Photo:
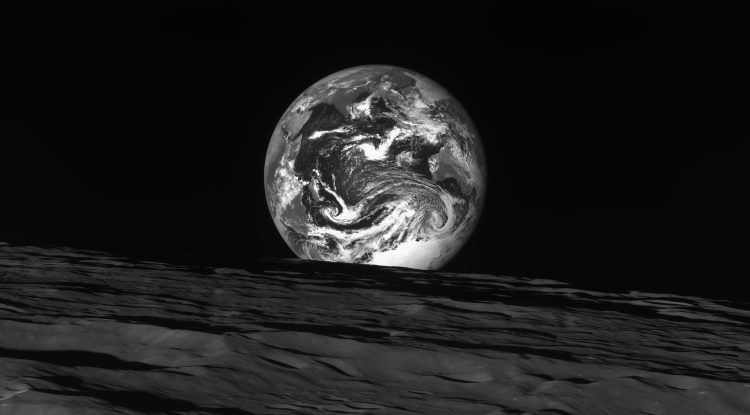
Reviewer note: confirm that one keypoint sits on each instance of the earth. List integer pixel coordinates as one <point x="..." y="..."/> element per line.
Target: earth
<point x="376" y="165"/>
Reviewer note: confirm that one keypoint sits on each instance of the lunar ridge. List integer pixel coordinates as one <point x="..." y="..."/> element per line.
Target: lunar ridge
<point x="86" y="332"/>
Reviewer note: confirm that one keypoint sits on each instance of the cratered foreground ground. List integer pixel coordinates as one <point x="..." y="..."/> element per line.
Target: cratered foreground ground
<point x="88" y="333"/>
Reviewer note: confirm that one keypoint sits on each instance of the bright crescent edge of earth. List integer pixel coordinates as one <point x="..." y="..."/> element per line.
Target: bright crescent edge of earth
<point x="376" y="164"/>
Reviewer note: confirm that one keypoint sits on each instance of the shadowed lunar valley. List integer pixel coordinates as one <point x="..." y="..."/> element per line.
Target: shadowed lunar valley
<point x="86" y="332"/>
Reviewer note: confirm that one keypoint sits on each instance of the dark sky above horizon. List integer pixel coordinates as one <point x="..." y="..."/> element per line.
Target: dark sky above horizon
<point x="612" y="132"/>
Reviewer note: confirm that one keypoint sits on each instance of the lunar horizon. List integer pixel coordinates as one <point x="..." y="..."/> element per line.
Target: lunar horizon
<point x="89" y="333"/>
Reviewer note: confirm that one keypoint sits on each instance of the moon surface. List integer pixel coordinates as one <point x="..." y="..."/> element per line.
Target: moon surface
<point x="88" y="333"/>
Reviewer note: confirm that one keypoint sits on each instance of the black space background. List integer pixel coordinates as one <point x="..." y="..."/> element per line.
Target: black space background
<point x="613" y="132"/>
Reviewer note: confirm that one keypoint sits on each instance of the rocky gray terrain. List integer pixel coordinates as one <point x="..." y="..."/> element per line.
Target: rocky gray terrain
<point x="89" y="333"/>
